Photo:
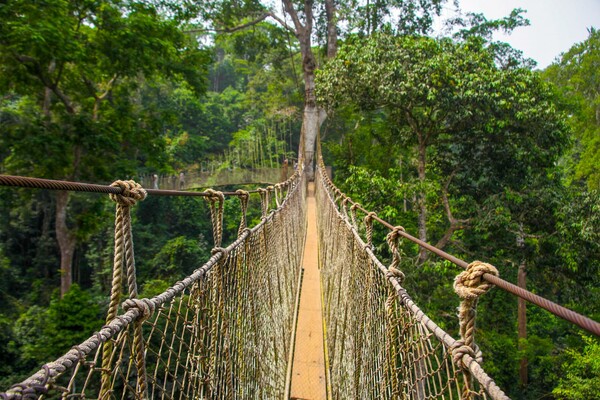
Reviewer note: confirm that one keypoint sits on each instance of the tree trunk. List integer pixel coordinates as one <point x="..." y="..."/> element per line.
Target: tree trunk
<point x="522" y="323"/>
<point x="331" y="29"/>
<point x="421" y="197"/>
<point x="310" y="122"/>
<point x="313" y="115"/>
<point x="66" y="241"/>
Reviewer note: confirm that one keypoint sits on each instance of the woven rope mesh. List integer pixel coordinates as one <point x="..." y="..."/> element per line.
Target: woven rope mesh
<point x="224" y="332"/>
<point x="221" y="333"/>
<point x="379" y="343"/>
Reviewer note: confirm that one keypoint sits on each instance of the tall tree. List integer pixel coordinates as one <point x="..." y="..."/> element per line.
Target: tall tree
<point x="78" y="61"/>
<point x="453" y="104"/>
<point x="322" y="20"/>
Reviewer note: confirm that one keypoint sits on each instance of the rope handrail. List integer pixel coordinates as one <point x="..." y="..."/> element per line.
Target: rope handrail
<point x="54" y="184"/>
<point x="574" y="317"/>
<point x="193" y="326"/>
<point x="388" y="347"/>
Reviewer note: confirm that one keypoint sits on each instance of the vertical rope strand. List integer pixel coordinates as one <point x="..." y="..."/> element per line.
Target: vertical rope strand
<point x="131" y="193"/>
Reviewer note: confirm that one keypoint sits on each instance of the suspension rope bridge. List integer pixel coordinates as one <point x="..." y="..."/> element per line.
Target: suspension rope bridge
<point x="228" y="331"/>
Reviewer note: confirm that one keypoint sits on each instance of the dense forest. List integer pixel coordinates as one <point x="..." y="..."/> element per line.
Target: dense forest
<point x="456" y="137"/>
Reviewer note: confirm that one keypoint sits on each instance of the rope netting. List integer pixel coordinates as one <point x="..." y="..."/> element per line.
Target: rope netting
<point x="223" y="332"/>
<point x="380" y="345"/>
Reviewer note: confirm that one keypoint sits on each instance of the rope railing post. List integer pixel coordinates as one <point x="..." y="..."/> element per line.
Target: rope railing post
<point x="369" y="228"/>
<point x="216" y="202"/>
<point x="469" y="285"/>
<point x="277" y="190"/>
<point x="244" y="196"/>
<point x="390" y="307"/>
<point x="264" y="201"/>
<point x="131" y="193"/>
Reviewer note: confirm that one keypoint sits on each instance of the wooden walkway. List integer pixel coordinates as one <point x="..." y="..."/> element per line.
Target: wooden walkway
<point x="308" y="369"/>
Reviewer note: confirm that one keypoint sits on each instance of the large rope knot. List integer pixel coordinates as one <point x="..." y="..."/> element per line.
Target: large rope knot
<point x="145" y="306"/>
<point x="214" y="195"/>
<point x="222" y="250"/>
<point x="470" y="284"/>
<point x="242" y="194"/>
<point x="131" y="193"/>
<point x="460" y="349"/>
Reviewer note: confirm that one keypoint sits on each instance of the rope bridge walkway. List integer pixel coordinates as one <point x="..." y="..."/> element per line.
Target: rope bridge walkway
<point x="228" y="331"/>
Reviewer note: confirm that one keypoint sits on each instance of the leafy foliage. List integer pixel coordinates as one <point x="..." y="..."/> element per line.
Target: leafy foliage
<point x="582" y="380"/>
<point x="577" y="78"/>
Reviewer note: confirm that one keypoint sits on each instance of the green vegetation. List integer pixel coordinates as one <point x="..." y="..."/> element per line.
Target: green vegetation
<point x="457" y="139"/>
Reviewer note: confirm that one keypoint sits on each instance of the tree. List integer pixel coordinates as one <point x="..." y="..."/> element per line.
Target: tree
<point x="74" y="64"/>
<point x="582" y="373"/>
<point x="578" y="79"/>
<point x="456" y="107"/>
<point x="324" y="20"/>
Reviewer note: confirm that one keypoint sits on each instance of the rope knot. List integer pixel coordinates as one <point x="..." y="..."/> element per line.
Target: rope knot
<point x="242" y="194"/>
<point x="245" y="230"/>
<point x="369" y="217"/>
<point x="214" y="194"/>
<point x="222" y="250"/>
<point x="131" y="193"/>
<point x="395" y="234"/>
<point x="145" y="306"/>
<point x="470" y="284"/>
<point x="216" y="201"/>
<point x="460" y="349"/>
<point x="393" y="272"/>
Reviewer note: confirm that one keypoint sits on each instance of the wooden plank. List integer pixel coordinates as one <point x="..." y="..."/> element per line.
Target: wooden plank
<point x="308" y="369"/>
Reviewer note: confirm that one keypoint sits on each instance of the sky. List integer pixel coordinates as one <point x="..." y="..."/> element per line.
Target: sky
<point x="556" y="25"/>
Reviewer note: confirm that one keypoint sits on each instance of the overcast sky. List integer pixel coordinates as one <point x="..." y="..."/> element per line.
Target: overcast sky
<point x="555" y="24"/>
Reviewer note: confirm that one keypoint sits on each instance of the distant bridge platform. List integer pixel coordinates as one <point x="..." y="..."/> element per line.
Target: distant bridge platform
<point x="216" y="178"/>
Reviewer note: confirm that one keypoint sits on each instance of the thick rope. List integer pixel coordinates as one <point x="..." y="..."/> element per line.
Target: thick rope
<point x="278" y="194"/>
<point x="264" y="201"/>
<point x="244" y="196"/>
<point x="469" y="285"/>
<point x="216" y="200"/>
<point x="369" y="228"/>
<point x="131" y="193"/>
<point x="394" y="268"/>
<point x="353" y="209"/>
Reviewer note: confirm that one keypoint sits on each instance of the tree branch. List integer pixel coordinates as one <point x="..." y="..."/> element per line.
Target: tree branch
<point x="243" y="26"/>
<point x="455" y="224"/>
<point x="64" y="98"/>
<point x="289" y="8"/>
<point x="308" y="12"/>
<point x="282" y="22"/>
